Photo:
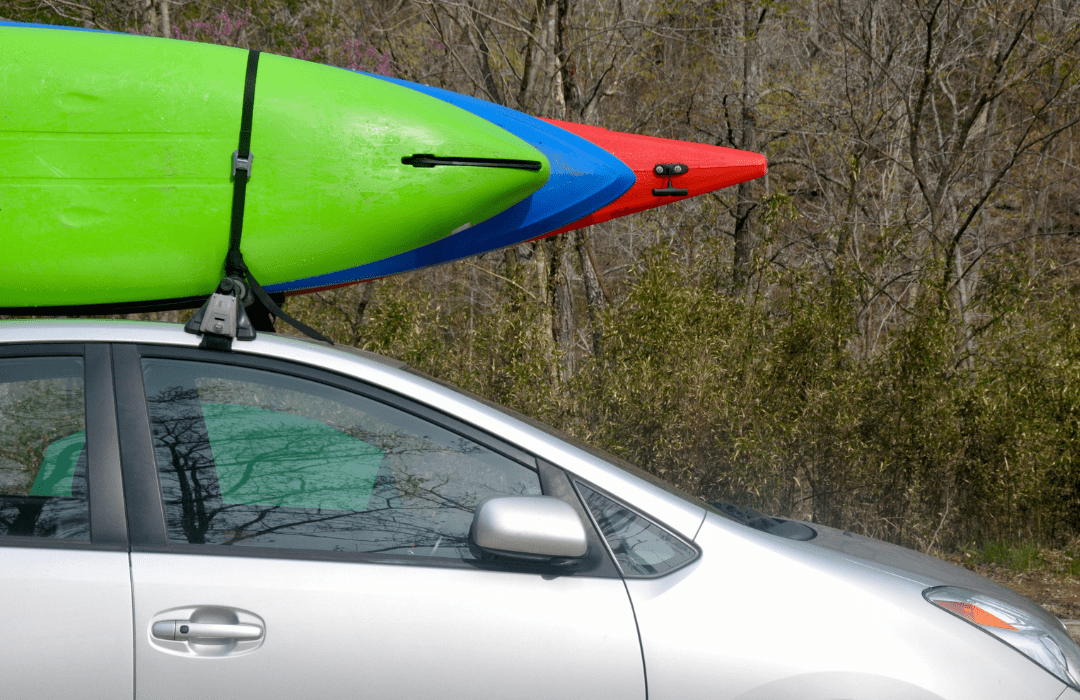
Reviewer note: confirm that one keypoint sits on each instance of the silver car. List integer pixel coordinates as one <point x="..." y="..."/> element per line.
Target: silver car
<point x="287" y="520"/>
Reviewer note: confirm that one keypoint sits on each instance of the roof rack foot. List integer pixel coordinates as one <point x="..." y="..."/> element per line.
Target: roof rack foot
<point x="223" y="318"/>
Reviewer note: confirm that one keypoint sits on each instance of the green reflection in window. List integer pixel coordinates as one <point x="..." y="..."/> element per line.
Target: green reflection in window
<point x="57" y="469"/>
<point x="269" y="458"/>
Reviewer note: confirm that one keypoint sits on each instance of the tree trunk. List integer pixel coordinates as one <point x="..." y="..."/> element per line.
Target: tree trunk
<point x="596" y="294"/>
<point x="545" y="322"/>
<point x="479" y="31"/>
<point x="745" y="203"/>
<point x="163" y="15"/>
<point x="560" y="300"/>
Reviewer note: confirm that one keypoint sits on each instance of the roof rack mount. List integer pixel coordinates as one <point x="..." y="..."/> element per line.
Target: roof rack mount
<point x="223" y="318"/>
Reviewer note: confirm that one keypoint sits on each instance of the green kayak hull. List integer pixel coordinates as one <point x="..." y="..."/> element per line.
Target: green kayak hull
<point x="116" y="162"/>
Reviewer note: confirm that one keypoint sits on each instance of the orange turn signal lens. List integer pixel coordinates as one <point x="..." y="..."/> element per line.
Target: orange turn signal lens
<point x="975" y="614"/>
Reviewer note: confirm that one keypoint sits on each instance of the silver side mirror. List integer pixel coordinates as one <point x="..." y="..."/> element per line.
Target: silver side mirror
<point x="533" y="528"/>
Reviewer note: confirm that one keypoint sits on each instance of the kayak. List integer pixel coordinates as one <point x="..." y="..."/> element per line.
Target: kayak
<point x="129" y="174"/>
<point x="584" y="178"/>
<point x="117" y="155"/>
<point x="596" y="175"/>
<point x="704" y="168"/>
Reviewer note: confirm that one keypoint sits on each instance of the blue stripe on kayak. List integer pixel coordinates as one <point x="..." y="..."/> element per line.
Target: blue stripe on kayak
<point x="584" y="178"/>
<point x="31" y="25"/>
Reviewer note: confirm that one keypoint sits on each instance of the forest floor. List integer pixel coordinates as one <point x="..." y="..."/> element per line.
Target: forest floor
<point x="1049" y="577"/>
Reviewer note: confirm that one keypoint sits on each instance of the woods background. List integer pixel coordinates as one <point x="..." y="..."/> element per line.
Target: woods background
<point x="883" y="334"/>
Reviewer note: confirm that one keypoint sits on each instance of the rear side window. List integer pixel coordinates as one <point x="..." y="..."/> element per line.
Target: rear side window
<point x="248" y="457"/>
<point x="43" y="448"/>
<point x="642" y="548"/>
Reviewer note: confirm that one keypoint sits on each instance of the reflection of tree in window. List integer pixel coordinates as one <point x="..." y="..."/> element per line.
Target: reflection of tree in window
<point x="640" y="547"/>
<point x="42" y="448"/>
<point x="268" y="460"/>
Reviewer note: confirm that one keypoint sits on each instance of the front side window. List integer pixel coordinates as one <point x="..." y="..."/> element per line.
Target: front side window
<point x="250" y="457"/>
<point x="642" y="548"/>
<point x="43" y="448"/>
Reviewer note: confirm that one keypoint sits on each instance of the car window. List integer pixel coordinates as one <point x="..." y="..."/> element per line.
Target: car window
<point x="641" y="548"/>
<point x="43" y="448"/>
<point x="563" y="436"/>
<point x="251" y="457"/>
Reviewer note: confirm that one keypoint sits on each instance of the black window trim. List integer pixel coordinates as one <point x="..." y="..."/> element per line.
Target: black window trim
<point x="146" y="511"/>
<point x="597" y="561"/>
<point x="105" y="495"/>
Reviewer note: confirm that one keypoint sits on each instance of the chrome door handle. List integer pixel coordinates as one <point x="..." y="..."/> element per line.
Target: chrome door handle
<point x="182" y="631"/>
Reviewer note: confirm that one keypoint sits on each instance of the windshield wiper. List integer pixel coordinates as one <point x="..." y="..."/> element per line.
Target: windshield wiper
<point x="788" y="529"/>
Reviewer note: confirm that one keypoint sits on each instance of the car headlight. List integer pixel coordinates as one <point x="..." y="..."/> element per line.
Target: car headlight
<point x="1047" y="645"/>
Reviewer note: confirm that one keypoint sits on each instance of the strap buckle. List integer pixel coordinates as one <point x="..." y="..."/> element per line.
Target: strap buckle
<point x="239" y="163"/>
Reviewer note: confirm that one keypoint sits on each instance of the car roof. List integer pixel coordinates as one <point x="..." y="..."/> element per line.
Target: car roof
<point x="677" y="513"/>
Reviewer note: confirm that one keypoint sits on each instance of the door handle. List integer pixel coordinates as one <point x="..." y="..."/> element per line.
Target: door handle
<point x="182" y="631"/>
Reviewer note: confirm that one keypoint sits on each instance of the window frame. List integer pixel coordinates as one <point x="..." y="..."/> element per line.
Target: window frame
<point x="105" y="492"/>
<point x="146" y="508"/>
<point x="638" y="512"/>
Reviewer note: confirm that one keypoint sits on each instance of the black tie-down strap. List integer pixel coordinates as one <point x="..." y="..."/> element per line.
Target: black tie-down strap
<point x="221" y="314"/>
<point x="241" y="171"/>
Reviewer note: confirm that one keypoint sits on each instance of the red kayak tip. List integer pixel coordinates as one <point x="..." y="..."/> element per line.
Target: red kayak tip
<point x="688" y="169"/>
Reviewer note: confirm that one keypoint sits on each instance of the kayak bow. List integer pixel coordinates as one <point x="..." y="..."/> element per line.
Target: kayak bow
<point x="596" y="175"/>
<point x="704" y="169"/>
<point x="584" y="178"/>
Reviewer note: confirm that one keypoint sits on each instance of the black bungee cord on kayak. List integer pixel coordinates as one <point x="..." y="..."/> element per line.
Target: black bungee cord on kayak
<point x="223" y="316"/>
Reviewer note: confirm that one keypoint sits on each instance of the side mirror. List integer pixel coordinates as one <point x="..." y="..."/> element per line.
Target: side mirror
<point x="530" y="528"/>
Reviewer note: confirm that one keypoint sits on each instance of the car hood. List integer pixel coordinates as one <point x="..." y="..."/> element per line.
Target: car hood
<point x="914" y="566"/>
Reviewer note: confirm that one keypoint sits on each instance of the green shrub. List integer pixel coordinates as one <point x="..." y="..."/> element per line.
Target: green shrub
<point x="1017" y="556"/>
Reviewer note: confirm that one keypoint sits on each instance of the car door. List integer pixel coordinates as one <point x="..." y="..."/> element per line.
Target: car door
<point x="299" y="534"/>
<point x="65" y="592"/>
